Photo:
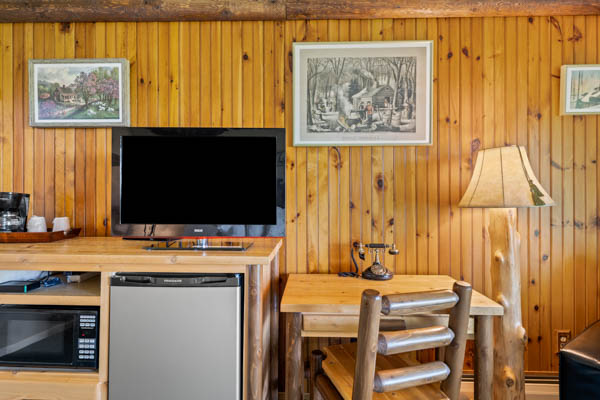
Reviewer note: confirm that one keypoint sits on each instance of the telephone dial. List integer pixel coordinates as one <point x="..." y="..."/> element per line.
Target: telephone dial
<point x="376" y="271"/>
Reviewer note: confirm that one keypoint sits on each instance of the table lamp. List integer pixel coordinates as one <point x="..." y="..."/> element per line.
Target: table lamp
<point x="502" y="181"/>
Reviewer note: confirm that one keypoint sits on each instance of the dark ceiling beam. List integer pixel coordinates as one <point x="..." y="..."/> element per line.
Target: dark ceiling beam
<point x="202" y="10"/>
<point x="364" y="9"/>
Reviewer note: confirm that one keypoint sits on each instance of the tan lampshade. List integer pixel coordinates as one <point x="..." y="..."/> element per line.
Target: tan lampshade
<point x="503" y="178"/>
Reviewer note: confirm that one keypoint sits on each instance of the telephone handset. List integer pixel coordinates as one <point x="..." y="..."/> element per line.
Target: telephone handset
<point x="376" y="271"/>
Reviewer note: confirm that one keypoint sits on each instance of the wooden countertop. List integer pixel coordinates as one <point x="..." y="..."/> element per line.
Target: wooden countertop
<point x="328" y="293"/>
<point x="115" y="254"/>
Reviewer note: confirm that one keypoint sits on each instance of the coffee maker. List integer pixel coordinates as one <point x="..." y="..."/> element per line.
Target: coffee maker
<point x="13" y="211"/>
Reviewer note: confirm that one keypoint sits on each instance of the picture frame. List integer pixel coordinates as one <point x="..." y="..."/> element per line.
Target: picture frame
<point x="85" y="92"/>
<point x="580" y="89"/>
<point x="363" y="93"/>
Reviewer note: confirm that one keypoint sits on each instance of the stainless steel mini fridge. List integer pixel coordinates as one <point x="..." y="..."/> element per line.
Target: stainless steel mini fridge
<point x="175" y="337"/>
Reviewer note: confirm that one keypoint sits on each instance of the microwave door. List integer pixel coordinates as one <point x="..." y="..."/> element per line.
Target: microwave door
<point x="22" y="339"/>
<point x="30" y="338"/>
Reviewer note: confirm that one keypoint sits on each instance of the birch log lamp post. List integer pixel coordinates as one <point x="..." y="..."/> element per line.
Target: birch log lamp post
<point x="502" y="181"/>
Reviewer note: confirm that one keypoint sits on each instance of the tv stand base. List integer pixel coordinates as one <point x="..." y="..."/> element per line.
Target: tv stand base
<point x="198" y="245"/>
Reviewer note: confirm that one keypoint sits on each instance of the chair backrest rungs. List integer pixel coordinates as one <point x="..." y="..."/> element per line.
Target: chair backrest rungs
<point x="401" y="378"/>
<point x="418" y="302"/>
<point x="414" y="339"/>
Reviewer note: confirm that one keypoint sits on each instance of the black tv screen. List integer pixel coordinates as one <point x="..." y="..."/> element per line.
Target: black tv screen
<point x="199" y="181"/>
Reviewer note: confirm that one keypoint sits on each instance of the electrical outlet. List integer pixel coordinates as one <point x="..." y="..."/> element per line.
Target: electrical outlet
<point x="563" y="336"/>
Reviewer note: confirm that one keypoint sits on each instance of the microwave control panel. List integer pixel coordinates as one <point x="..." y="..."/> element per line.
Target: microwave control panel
<point x="86" y="346"/>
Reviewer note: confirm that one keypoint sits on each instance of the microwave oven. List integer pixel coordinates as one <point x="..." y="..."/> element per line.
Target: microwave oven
<point x="49" y="337"/>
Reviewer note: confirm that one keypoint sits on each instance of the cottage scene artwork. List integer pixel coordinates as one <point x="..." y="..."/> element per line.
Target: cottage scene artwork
<point x="375" y="97"/>
<point x="582" y="89"/>
<point x="77" y="93"/>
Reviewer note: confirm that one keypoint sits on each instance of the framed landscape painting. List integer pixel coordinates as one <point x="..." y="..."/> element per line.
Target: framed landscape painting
<point x="79" y="92"/>
<point x="363" y="93"/>
<point x="580" y="89"/>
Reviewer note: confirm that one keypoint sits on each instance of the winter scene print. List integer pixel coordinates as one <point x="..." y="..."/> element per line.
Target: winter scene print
<point x="366" y="96"/>
<point x="582" y="89"/>
<point x="77" y="93"/>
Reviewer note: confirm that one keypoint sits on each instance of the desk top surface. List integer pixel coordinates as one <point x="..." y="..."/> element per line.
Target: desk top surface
<point x="107" y="253"/>
<point x="329" y="293"/>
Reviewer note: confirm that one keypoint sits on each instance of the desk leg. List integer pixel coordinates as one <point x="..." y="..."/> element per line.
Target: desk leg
<point x="255" y="335"/>
<point x="293" y="357"/>
<point x="484" y="357"/>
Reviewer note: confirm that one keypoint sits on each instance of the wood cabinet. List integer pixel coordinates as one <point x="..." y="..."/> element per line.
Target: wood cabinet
<point x="259" y="264"/>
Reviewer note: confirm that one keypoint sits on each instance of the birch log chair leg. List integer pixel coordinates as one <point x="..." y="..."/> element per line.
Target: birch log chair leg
<point x="355" y="371"/>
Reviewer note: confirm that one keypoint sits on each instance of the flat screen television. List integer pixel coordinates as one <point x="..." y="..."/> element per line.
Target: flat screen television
<point x="198" y="182"/>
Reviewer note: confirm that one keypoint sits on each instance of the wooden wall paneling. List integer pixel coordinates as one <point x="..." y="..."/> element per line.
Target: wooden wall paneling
<point x="18" y="109"/>
<point x="7" y="129"/>
<point x="488" y="137"/>
<point x="545" y="334"/>
<point x="444" y="123"/>
<point x="90" y="147"/>
<point x="173" y="75"/>
<point x="533" y="151"/>
<point x="227" y="78"/>
<point x="433" y="157"/>
<point x="269" y="78"/>
<point x="163" y="73"/>
<point x="454" y="148"/>
<point x="496" y="77"/>
<point x="143" y="94"/>
<point x="399" y="186"/>
<point x="476" y="143"/>
<point x="28" y="138"/>
<point x="148" y="63"/>
<point x="568" y="304"/>
<point x="37" y="195"/>
<point x="334" y="162"/>
<point x="301" y="182"/>
<point x="291" y="192"/>
<point x="591" y="182"/>
<point x="346" y="207"/>
<point x="522" y="115"/>
<point x="411" y="189"/>
<point x="366" y="169"/>
<point x="579" y="47"/>
<point x="387" y="184"/>
<point x="465" y="54"/>
<point x="597" y="220"/>
<point x="247" y="73"/>
<point x="376" y="185"/>
<point x="195" y="73"/>
<point x="421" y="185"/>
<point x="48" y="134"/>
<point x="312" y="222"/>
<point x="101" y="136"/>
<point x="557" y="225"/>
<point x="79" y="202"/>
<point x="237" y="73"/>
<point x="215" y="73"/>
<point x="184" y="87"/>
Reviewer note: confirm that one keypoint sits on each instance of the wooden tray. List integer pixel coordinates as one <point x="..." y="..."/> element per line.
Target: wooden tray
<point x="37" y="237"/>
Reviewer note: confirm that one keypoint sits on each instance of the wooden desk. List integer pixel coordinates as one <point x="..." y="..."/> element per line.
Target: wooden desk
<point x="259" y="264"/>
<point x="325" y="305"/>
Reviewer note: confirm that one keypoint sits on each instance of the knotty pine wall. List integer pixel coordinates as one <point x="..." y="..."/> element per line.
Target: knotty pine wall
<point x="496" y="82"/>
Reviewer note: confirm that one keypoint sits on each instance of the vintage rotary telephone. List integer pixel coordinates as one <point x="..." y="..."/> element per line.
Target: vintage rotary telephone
<point x="376" y="271"/>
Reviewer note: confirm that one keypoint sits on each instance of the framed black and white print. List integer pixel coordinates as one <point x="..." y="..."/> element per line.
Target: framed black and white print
<point x="363" y="93"/>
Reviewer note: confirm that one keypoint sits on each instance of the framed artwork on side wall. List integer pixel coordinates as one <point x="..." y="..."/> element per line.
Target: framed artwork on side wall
<point x="79" y="92"/>
<point x="580" y="89"/>
<point x="363" y="93"/>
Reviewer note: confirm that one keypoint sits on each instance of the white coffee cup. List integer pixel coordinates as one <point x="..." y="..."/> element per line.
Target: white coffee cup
<point x="61" y="224"/>
<point x="36" y="224"/>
